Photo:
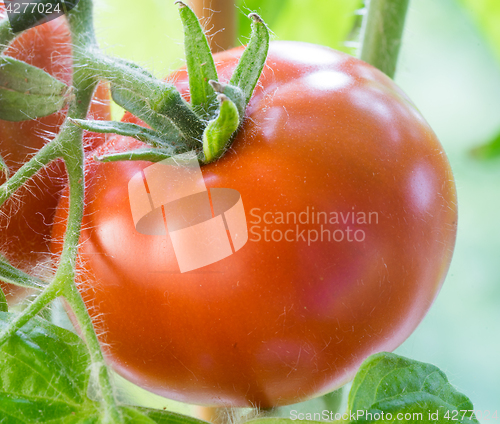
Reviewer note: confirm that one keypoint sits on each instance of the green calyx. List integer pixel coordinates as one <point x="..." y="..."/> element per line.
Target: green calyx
<point x="208" y="123"/>
<point x="219" y="131"/>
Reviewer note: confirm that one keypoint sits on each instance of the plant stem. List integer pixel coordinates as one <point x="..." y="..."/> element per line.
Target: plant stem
<point x="382" y="32"/>
<point x="161" y="97"/>
<point x="75" y="300"/>
<point x="81" y="25"/>
<point x="122" y="73"/>
<point x="44" y="156"/>
<point x="91" y="63"/>
<point x="74" y="159"/>
<point x="219" y="19"/>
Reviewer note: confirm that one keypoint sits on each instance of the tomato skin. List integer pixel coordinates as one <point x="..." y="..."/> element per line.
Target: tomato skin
<point x="278" y="322"/>
<point x="25" y="222"/>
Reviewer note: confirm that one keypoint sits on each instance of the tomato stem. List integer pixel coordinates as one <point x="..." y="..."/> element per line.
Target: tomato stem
<point x="85" y="82"/>
<point x="235" y="96"/>
<point x="43" y="157"/>
<point x="102" y="375"/>
<point x="382" y="33"/>
<point x="4" y="169"/>
<point x="69" y="145"/>
<point x="203" y="125"/>
<point x="160" y="97"/>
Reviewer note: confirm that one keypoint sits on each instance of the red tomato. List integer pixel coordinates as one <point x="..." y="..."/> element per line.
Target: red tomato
<point x="25" y="221"/>
<point x="282" y="320"/>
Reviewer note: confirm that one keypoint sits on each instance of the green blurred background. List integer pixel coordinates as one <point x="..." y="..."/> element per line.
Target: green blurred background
<point x="450" y="66"/>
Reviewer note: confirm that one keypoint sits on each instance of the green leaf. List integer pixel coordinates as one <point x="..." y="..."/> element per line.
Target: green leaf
<point x="200" y="63"/>
<point x="127" y="129"/>
<point x="219" y="132"/>
<point x="12" y="275"/>
<point x="252" y="61"/>
<point x="149" y="155"/>
<point x="28" y="92"/>
<point x="43" y="374"/>
<point x="393" y="384"/>
<point x="150" y="416"/>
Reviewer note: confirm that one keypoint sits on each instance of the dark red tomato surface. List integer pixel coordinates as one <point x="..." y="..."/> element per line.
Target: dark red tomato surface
<point x="25" y="221"/>
<point x="286" y="317"/>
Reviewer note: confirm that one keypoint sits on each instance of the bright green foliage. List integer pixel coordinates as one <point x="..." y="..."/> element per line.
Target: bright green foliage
<point x="393" y="384"/>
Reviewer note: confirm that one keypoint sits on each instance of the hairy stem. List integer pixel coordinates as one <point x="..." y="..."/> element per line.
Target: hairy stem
<point x="382" y="32"/>
<point x="121" y="73"/>
<point x="43" y="157"/>
<point x="161" y="97"/>
<point x="73" y="297"/>
<point x="74" y="159"/>
<point x="82" y="31"/>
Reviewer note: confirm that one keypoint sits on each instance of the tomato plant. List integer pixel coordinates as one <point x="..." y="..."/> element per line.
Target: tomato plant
<point x="25" y="222"/>
<point x="330" y="145"/>
<point x="345" y="230"/>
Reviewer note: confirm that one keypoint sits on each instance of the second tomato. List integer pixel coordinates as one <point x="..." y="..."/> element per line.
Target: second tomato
<point x="25" y="220"/>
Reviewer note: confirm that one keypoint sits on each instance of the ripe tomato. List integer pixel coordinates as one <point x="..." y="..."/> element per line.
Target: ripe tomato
<point x="285" y="317"/>
<point x="25" y="221"/>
